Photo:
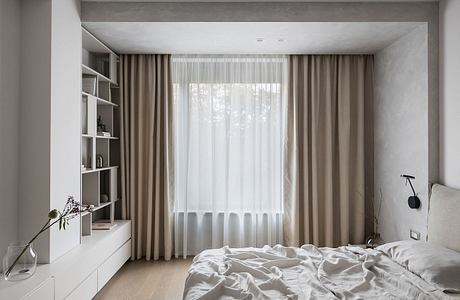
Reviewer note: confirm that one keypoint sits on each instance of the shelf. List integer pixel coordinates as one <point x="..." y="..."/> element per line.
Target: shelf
<point x="105" y="102"/>
<point x="93" y="44"/>
<point x="100" y="101"/>
<point x="98" y="170"/>
<point x="101" y="64"/>
<point x="88" y="71"/>
<point x="107" y="137"/>
<point x="100" y="137"/>
<point x="96" y="208"/>
<point x="122" y="226"/>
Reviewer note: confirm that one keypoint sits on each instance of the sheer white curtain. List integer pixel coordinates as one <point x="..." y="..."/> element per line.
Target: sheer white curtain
<point x="229" y="116"/>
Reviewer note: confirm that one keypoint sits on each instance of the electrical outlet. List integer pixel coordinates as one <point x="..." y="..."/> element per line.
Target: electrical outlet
<point x="414" y="235"/>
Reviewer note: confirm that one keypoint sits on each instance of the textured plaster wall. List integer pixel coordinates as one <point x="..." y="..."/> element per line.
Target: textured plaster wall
<point x="401" y="131"/>
<point x="449" y="100"/>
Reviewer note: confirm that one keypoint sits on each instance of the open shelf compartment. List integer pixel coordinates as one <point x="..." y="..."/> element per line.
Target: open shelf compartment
<point x="100" y="147"/>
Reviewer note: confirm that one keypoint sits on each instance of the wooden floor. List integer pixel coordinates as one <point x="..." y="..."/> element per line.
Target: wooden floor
<point x="145" y="280"/>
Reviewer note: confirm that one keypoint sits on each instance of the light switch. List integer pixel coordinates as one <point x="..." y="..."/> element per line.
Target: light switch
<point x="414" y="235"/>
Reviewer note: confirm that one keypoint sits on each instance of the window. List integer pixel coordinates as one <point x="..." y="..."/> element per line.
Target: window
<point x="228" y="126"/>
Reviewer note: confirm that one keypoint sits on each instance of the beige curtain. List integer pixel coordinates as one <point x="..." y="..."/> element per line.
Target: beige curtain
<point x="146" y="163"/>
<point x="328" y="149"/>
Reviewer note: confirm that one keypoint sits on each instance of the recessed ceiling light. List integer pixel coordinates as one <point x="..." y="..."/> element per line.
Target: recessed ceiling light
<point x="260" y="40"/>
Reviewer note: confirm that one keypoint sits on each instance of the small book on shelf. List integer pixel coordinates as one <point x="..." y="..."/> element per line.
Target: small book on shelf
<point x="104" y="133"/>
<point x="103" y="225"/>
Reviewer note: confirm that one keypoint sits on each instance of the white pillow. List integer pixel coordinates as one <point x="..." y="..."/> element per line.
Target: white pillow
<point x="435" y="264"/>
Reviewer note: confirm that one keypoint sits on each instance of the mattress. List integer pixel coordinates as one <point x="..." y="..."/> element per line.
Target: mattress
<point x="308" y="272"/>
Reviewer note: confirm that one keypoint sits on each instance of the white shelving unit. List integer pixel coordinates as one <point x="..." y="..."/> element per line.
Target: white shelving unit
<point x="99" y="154"/>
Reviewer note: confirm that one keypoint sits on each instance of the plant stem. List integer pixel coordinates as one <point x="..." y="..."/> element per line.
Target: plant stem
<point x="44" y="228"/>
<point x="67" y="213"/>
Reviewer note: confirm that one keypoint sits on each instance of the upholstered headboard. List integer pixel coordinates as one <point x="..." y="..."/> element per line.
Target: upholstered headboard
<point x="444" y="217"/>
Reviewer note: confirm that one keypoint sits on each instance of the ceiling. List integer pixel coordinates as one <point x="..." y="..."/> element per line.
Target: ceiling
<point x="242" y="37"/>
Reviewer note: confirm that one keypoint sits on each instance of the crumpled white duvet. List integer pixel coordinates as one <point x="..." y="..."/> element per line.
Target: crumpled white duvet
<point x="302" y="273"/>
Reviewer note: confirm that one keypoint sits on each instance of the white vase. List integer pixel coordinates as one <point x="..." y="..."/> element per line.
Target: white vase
<point x="24" y="267"/>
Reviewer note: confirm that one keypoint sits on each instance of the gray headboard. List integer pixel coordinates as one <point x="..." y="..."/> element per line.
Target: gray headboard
<point x="444" y="217"/>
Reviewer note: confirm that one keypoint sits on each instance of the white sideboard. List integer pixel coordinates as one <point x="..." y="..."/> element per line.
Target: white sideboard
<point x="78" y="274"/>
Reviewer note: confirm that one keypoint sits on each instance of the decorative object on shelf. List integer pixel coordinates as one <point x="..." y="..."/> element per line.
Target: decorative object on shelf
<point x="25" y="265"/>
<point x="374" y="239"/>
<point x="20" y="261"/>
<point x="102" y="128"/>
<point x="413" y="201"/>
<point x="100" y="125"/>
<point x="104" y="198"/>
<point x="83" y="168"/>
<point x="99" y="161"/>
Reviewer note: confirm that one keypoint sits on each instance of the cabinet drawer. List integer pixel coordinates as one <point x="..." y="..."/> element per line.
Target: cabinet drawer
<point x="43" y="292"/>
<point x="86" y="290"/>
<point x="113" y="264"/>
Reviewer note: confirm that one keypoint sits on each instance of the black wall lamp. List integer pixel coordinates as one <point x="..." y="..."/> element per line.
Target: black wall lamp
<point x="413" y="201"/>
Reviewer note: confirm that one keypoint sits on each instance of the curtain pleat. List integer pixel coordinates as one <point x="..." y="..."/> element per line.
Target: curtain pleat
<point x="146" y="162"/>
<point x="327" y="149"/>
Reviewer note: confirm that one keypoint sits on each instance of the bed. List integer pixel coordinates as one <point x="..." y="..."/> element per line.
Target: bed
<point x="399" y="270"/>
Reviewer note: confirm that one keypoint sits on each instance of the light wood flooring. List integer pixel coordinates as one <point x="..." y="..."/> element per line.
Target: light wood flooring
<point x="147" y="280"/>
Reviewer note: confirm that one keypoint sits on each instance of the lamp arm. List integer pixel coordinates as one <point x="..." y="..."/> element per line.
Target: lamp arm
<point x="412" y="187"/>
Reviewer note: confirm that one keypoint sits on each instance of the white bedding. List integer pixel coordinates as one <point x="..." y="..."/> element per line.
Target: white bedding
<point x="302" y="273"/>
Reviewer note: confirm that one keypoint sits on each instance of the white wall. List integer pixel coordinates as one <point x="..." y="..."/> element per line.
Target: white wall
<point x="401" y="133"/>
<point x="449" y="93"/>
<point x="65" y="117"/>
<point x="49" y="165"/>
<point x="9" y="107"/>
<point x="34" y="128"/>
